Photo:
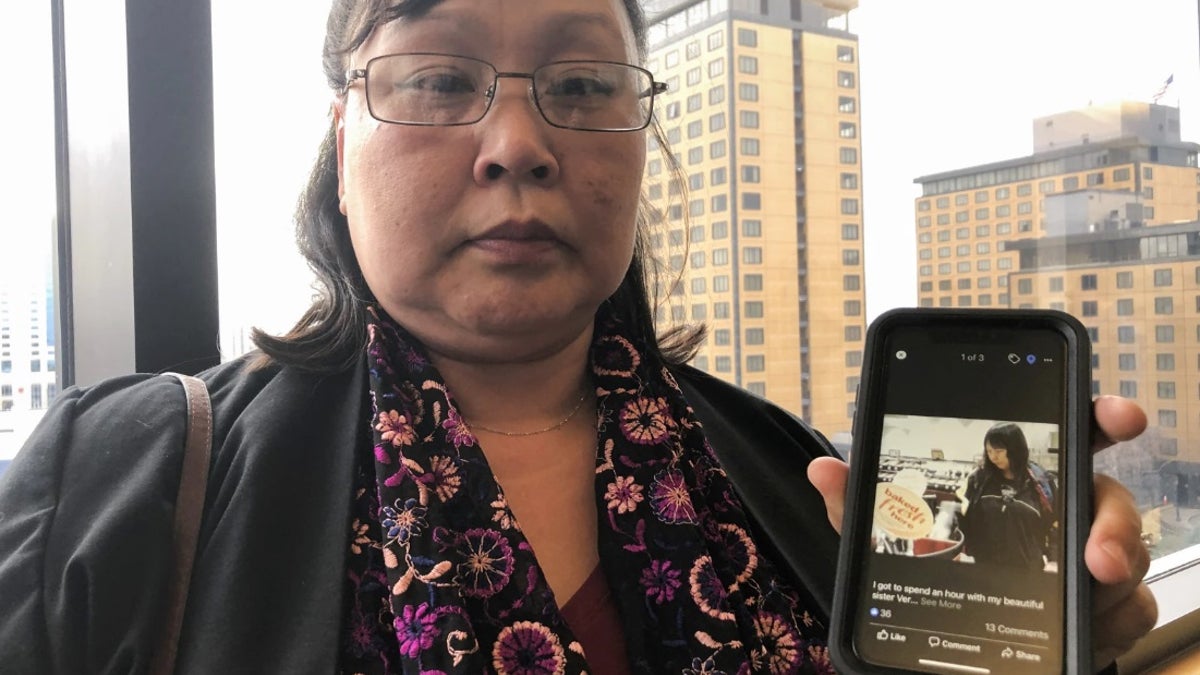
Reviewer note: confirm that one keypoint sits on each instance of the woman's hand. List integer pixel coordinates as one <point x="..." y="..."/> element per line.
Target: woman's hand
<point x="1122" y="608"/>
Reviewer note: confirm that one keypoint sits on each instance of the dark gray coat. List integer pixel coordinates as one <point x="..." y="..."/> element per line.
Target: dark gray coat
<point x="86" y="509"/>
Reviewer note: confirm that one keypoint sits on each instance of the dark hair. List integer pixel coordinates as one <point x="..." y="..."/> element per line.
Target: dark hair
<point x="331" y="334"/>
<point x="1010" y="437"/>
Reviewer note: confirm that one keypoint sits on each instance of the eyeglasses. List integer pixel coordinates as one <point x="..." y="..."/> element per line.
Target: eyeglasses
<point x="443" y="90"/>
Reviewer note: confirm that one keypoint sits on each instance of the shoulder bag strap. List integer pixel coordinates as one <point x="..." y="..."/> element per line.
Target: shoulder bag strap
<point x="189" y="506"/>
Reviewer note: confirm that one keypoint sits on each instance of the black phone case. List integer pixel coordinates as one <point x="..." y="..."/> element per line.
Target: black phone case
<point x="1077" y="479"/>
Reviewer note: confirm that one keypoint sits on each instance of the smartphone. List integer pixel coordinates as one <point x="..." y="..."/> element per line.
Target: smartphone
<point x="969" y="500"/>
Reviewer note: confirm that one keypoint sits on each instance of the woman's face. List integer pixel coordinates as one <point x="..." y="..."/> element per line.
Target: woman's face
<point x="998" y="456"/>
<point x="496" y="240"/>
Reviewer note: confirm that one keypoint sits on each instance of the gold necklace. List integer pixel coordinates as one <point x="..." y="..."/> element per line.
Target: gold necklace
<point x="552" y="427"/>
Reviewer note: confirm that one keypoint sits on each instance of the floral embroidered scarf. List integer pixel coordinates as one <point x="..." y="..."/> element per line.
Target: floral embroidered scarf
<point x="462" y="583"/>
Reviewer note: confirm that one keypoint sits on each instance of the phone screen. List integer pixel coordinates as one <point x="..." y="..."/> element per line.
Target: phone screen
<point x="963" y="567"/>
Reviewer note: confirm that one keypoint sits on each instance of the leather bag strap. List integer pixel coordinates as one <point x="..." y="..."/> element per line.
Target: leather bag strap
<point x="189" y="507"/>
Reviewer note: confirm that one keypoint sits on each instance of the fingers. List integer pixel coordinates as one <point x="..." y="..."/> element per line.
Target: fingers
<point x="1115" y="419"/>
<point x="1123" y="624"/>
<point x="829" y="476"/>
<point x="1114" y="553"/>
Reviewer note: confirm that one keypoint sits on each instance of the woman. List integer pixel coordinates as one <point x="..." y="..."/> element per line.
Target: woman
<point x="1009" y="504"/>
<point x="484" y="323"/>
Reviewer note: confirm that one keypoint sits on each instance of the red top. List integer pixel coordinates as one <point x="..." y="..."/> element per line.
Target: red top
<point x="592" y="616"/>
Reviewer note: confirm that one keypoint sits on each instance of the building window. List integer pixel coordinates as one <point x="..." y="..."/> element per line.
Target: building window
<point x="699" y="312"/>
<point x="1127" y="388"/>
<point x="847" y="104"/>
<point x="1167" y="419"/>
<point x="720" y="283"/>
<point x="748" y="65"/>
<point x="716" y="95"/>
<point x="752" y="255"/>
<point x="853" y="333"/>
<point x="723" y="363"/>
<point x="1090" y="308"/>
<point x="716" y="40"/>
<point x="1125" y="334"/>
<point x="35" y="397"/>
<point x="720" y="257"/>
<point x="719" y="203"/>
<point x="698" y="286"/>
<point x="845" y="79"/>
<point x="851" y="308"/>
<point x="1148" y="172"/>
<point x="1162" y="277"/>
<point x="748" y="119"/>
<point x="749" y="146"/>
<point x="847" y="129"/>
<point x="720" y="310"/>
<point x="1125" y="307"/>
<point x="1165" y="390"/>
<point x="1120" y="174"/>
<point x="853" y="359"/>
<point x="697" y="259"/>
<point x="849" y="181"/>
<point x="747" y="37"/>
<point x="849" y="207"/>
<point x="1024" y="286"/>
<point x="1164" y="334"/>
<point x="756" y="364"/>
<point x="1164" y="305"/>
<point x="1164" y="362"/>
<point x="851" y="282"/>
<point x="752" y="228"/>
<point x="716" y="68"/>
<point x="845" y="53"/>
<point x="849" y="232"/>
<point x="721" y="337"/>
<point x="755" y="336"/>
<point x="850" y="256"/>
<point x="754" y="309"/>
<point x="748" y="91"/>
<point x="1087" y="282"/>
<point x="848" y="155"/>
<point x="720" y="229"/>
<point x="757" y="388"/>
<point x="695" y="155"/>
<point x="717" y="176"/>
<point x="752" y="282"/>
<point x="695" y="128"/>
<point x="693" y="76"/>
<point x="1126" y="362"/>
<point x="1124" y="279"/>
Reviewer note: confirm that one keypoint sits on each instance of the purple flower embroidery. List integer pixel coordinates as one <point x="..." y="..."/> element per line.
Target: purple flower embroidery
<point x="707" y="591"/>
<point x="402" y="522"/>
<point x="457" y="431"/>
<point x="670" y="498"/>
<point x="395" y="429"/>
<point x="660" y="581"/>
<point x="415" y="629"/>
<point x="487" y="563"/>
<point x="528" y="648"/>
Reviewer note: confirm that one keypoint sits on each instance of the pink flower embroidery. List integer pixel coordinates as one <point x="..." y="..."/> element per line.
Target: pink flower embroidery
<point x="528" y="648"/>
<point x="443" y="477"/>
<point x="670" y="498"/>
<point x="646" y="421"/>
<point x="780" y="651"/>
<point x="624" y="494"/>
<point x="487" y="563"/>
<point x="395" y="428"/>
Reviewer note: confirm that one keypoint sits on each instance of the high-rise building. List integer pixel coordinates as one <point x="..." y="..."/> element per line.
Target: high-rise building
<point x="28" y="377"/>
<point x="1101" y="222"/>
<point x="765" y="226"/>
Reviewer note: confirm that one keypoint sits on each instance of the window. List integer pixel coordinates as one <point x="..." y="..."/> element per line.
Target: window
<point x="845" y="53"/>
<point x="1120" y="175"/>
<point x="751" y="201"/>
<point x="748" y="65"/>
<point x="1164" y="334"/>
<point x="756" y="364"/>
<point x="715" y="40"/>
<point x="698" y="286"/>
<point x="849" y="232"/>
<point x="720" y="229"/>
<point x="755" y="336"/>
<point x="716" y="95"/>
<point x="752" y="282"/>
<point x="1128" y="388"/>
<point x="848" y="155"/>
<point x="720" y="257"/>
<point x="853" y="359"/>
<point x="847" y="104"/>
<point x="716" y="68"/>
<point x="1087" y="282"/>
<point x="1167" y="419"/>
<point x="720" y="283"/>
<point x="754" y="309"/>
<point x="695" y="128"/>
<point x="719" y="203"/>
<point x="1024" y="286"/>
<point x="1126" y="362"/>
<point x="720" y="310"/>
<point x="853" y="333"/>
<point x="724" y="365"/>
<point x="1164" y="362"/>
<point x="1125" y="334"/>
<point x="752" y="255"/>
<point x="852" y="308"/>
<point x="850" y="256"/>
<point x="695" y="155"/>
<point x="751" y="228"/>
<point x="697" y="260"/>
<point x="749" y="146"/>
<point x="721" y="337"/>
<point x="1164" y="305"/>
<point x="847" y="129"/>
<point x="851" y="282"/>
<point x="35" y="397"/>
<point x="748" y="119"/>
<point x="1070" y="183"/>
<point x="1166" y="390"/>
<point x="747" y="37"/>
<point x="1124" y="279"/>
<point x="748" y="91"/>
<point x="1162" y="277"/>
<point x="845" y="79"/>
<point x="1090" y="308"/>
<point x="693" y="76"/>
<point x="699" y="312"/>
<point x="1125" y="307"/>
<point x="751" y="174"/>
<point x="849" y="207"/>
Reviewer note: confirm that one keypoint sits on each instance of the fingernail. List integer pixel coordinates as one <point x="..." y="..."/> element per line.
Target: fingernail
<point x="1119" y="555"/>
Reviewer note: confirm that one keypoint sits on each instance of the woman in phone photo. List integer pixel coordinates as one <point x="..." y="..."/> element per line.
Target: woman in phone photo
<point x="1009" y="504"/>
